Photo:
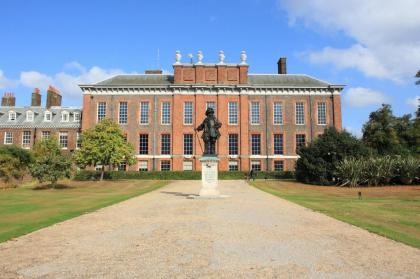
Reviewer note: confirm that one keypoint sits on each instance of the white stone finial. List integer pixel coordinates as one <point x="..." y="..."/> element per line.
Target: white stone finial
<point x="200" y="57"/>
<point x="178" y="57"/>
<point x="243" y="57"/>
<point x="221" y="57"/>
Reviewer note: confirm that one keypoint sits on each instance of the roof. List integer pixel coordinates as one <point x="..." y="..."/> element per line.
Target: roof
<point x="275" y="80"/>
<point x="38" y="121"/>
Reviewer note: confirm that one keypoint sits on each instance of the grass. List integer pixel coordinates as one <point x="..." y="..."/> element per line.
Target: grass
<point x="393" y="211"/>
<point x="32" y="207"/>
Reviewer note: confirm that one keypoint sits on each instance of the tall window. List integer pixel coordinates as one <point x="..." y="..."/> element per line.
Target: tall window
<point x="12" y="116"/>
<point x="144" y="112"/>
<point x="278" y="165"/>
<point x="256" y="144"/>
<point x="78" y="140"/>
<point x="188" y="144"/>
<point x="256" y="165"/>
<point x="63" y="140"/>
<point x="188" y="113"/>
<point x="277" y="113"/>
<point x="278" y="144"/>
<point x="255" y="113"/>
<point x="29" y="116"/>
<point x="233" y="144"/>
<point x="76" y="116"/>
<point x="101" y="111"/>
<point x="26" y="138"/>
<point x="322" y="113"/>
<point x="233" y="113"/>
<point x="143" y="166"/>
<point x="48" y="116"/>
<point x="300" y="141"/>
<point x="300" y="113"/>
<point x="233" y="166"/>
<point x="165" y="144"/>
<point x="165" y="165"/>
<point x="144" y="144"/>
<point x="8" y="137"/>
<point x="211" y="105"/>
<point x="166" y="113"/>
<point x="45" y="134"/>
<point x="64" y="116"/>
<point x="123" y="113"/>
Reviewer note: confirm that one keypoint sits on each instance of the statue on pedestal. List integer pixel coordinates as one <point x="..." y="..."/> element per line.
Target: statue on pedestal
<point x="211" y="134"/>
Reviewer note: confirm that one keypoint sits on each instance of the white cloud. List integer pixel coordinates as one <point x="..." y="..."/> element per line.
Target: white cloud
<point x="386" y="34"/>
<point x="413" y="102"/>
<point x="361" y="97"/>
<point x="5" y="82"/>
<point x="67" y="81"/>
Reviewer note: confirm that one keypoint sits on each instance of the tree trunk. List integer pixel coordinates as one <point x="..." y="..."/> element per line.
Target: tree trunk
<point x="102" y="173"/>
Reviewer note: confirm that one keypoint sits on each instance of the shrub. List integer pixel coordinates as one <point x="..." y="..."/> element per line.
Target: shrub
<point x="408" y="169"/>
<point x="16" y="159"/>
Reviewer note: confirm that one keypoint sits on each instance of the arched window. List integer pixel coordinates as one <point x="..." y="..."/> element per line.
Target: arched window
<point x="48" y="116"/>
<point x="12" y="115"/>
<point x="29" y="115"/>
<point x="65" y="116"/>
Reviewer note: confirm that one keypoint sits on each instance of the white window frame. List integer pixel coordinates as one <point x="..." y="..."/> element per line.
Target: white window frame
<point x="76" y="116"/>
<point x="233" y="113"/>
<point x="299" y="114"/>
<point x="78" y="140"/>
<point x="322" y="116"/>
<point x="142" y="165"/>
<point x="187" y="165"/>
<point x="256" y="163"/>
<point x="233" y="163"/>
<point x="278" y="113"/>
<point x="48" y="113"/>
<point x="44" y="134"/>
<point x="26" y="142"/>
<point x="165" y="117"/>
<point x="144" y="111"/>
<point x="60" y="134"/>
<point x="8" y="137"/>
<point x="255" y="117"/>
<point x="123" y="118"/>
<point x="188" y="113"/>
<point x="30" y="116"/>
<point x="65" y="116"/>
<point x="12" y="115"/>
<point x="100" y="116"/>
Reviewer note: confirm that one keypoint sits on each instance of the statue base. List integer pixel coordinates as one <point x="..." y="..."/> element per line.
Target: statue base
<point x="209" y="178"/>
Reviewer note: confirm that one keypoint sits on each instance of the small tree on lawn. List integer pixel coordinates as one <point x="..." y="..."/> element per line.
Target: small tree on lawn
<point x="104" y="145"/>
<point x="49" y="164"/>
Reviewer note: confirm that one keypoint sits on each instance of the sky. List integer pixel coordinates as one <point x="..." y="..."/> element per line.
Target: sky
<point x="372" y="47"/>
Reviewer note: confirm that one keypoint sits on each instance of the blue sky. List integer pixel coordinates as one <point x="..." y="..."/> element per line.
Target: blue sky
<point x="371" y="46"/>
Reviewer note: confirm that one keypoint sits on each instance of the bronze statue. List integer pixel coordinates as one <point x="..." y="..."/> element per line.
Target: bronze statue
<point x="211" y="132"/>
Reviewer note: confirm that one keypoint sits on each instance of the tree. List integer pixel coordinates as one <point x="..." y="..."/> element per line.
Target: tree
<point x="104" y="145"/>
<point x="9" y="168"/>
<point x="319" y="160"/>
<point x="22" y="158"/>
<point x="49" y="164"/>
<point x="418" y="76"/>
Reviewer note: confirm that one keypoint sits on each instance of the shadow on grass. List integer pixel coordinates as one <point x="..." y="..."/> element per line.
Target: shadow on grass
<point x="50" y="186"/>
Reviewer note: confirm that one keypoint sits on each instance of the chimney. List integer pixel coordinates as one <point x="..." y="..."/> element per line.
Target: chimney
<point x="8" y="100"/>
<point x="153" y="72"/>
<point x="36" y="98"/>
<point x="281" y="66"/>
<point x="53" y="97"/>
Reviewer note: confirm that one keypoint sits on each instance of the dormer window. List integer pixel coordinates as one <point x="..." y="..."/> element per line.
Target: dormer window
<point x="29" y="116"/>
<point x="64" y="116"/>
<point x="12" y="116"/>
<point x="47" y="116"/>
<point x="76" y="116"/>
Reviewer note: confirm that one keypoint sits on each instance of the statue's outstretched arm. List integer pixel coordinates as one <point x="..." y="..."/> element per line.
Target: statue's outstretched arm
<point x="200" y="127"/>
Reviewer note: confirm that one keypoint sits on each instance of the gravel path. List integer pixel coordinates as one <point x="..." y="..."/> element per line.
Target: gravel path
<point x="163" y="234"/>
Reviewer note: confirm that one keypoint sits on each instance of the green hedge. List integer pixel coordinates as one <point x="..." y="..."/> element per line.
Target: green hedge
<point x="176" y="175"/>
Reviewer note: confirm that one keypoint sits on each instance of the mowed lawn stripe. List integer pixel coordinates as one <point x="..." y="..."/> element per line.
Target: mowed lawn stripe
<point x="25" y="209"/>
<point x="393" y="212"/>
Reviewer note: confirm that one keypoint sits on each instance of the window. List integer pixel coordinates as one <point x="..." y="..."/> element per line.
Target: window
<point x="122" y="166"/>
<point x="256" y="165"/>
<point x="165" y="144"/>
<point x="256" y="144"/>
<point x="233" y="113"/>
<point x="187" y="166"/>
<point x="166" y="113"/>
<point x="255" y="113"/>
<point x="63" y="140"/>
<point x="76" y="116"/>
<point x="45" y="134"/>
<point x="278" y="165"/>
<point x="233" y="166"/>
<point x="277" y="113"/>
<point x="165" y="165"/>
<point x="12" y="116"/>
<point x="64" y="116"/>
<point x="322" y="113"/>
<point x="211" y="105"/>
<point x="144" y="113"/>
<point x="101" y="111"/>
<point x="233" y="144"/>
<point x="144" y="144"/>
<point x="122" y="119"/>
<point x="300" y="141"/>
<point x="188" y="113"/>
<point x="278" y="144"/>
<point x="26" y="138"/>
<point x="300" y="113"/>
<point x="143" y="166"/>
<point x="188" y="144"/>
<point x="48" y="116"/>
<point x="8" y="138"/>
<point x="29" y="116"/>
<point x="98" y="167"/>
<point x="78" y="140"/>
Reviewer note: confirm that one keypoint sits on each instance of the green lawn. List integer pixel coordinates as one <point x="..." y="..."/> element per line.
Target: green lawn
<point x="393" y="212"/>
<point x="28" y="208"/>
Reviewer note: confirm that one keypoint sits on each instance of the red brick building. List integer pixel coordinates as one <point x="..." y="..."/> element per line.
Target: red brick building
<point x="265" y="117"/>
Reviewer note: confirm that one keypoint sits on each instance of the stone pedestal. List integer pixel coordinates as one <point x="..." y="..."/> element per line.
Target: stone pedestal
<point x="209" y="176"/>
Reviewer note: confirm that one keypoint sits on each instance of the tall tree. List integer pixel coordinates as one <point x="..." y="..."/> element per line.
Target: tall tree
<point x="418" y="76"/>
<point x="104" y="145"/>
<point x="49" y="164"/>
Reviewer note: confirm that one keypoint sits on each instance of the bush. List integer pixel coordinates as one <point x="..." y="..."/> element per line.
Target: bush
<point x="175" y="175"/>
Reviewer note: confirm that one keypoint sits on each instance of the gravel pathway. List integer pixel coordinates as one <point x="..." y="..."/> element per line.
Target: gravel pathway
<point x="163" y="234"/>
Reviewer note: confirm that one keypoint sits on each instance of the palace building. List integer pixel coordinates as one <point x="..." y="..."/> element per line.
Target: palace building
<point x="265" y="118"/>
